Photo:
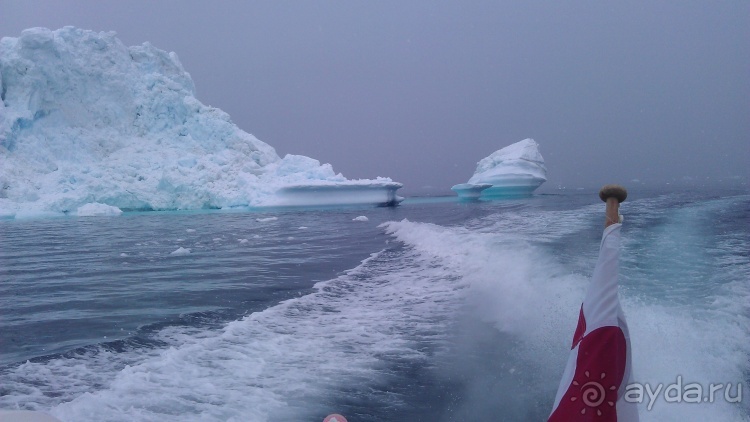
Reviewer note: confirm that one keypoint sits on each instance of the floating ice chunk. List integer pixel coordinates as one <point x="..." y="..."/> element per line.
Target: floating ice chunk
<point x="242" y="240"/>
<point x="190" y="230"/>
<point x="123" y="255"/>
<point x="302" y="228"/>
<point x="360" y="218"/>
<point x="181" y="251"/>
<point x="263" y="220"/>
<point x="470" y="191"/>
<point x="97" y="209"/>
<point x="515" y="170"/>
<point x="381" y="191"/>
<point x="256" y="236"/>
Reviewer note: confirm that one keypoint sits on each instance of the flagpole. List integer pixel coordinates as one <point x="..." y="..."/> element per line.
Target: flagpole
<point x="599" y="368"/>
<point x="612" y="195"/>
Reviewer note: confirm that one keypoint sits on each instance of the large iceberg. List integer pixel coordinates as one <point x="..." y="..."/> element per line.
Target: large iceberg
<point x="86" y="120"/>
<point x="515" y="170"/>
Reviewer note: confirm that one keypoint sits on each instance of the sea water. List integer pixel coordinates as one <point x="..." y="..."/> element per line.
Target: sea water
<point x="435" y="310"/>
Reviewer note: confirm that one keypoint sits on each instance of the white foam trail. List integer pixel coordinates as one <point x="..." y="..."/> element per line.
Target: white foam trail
<point x="291" y="359"/>
<point x="279" y="363"/>
<point x="299" y="357"/>
<point x="692" y="320"/>
<point x="697" y="324"/>
<point x="524" y="291"/>
<point x="512" y="284"/>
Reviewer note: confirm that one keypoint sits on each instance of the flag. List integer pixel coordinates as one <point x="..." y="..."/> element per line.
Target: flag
<point x="599" y="366"/>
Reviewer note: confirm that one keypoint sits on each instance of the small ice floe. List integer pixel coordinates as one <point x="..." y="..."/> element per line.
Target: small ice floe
<point x="302" y="228"/>
<point x="263" y="220"/>
<point x="290" y="238"/>
<point x="242" y="240"/>
<point x="180" y="240"/>
<point x="190" y="230"/>
<point x="96" y="209"/>
<point x="256" y="236"/>
<point x="123" y="254"/>
<point x="217" y="239"/>
<point x="181" y="251"/>
<point x="360" y="218"/>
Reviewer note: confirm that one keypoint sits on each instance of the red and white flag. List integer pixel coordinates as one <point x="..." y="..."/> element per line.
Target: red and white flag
<point x="598" y="369"/>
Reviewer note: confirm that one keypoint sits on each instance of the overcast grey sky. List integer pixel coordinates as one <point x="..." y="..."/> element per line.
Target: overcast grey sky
<point x="421" y="90"/>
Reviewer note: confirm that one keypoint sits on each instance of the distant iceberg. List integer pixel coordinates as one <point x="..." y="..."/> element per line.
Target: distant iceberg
<point x="85" y="119"/>
<point x="516" y="170"/>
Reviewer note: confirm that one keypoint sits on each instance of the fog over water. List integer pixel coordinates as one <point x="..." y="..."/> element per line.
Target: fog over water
<point x="419" y="91"/>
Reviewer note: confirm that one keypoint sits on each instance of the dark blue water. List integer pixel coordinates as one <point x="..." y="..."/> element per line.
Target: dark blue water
<point x="462" y="311"/>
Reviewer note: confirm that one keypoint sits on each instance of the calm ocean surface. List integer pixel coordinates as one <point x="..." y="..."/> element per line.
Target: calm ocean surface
<point x="431" y="311"/>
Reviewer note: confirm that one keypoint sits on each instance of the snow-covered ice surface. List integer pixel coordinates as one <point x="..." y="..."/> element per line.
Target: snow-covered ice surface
<point x="85" y="119"/>
<point x="517" y="169"/>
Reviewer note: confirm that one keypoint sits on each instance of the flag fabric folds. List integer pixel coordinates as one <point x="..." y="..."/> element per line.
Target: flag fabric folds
<point x="599" y="366"/>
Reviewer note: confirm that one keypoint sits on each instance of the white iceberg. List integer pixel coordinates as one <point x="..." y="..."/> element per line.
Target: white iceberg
<point x="85" y="119"/>
<point x="515" y="170"/>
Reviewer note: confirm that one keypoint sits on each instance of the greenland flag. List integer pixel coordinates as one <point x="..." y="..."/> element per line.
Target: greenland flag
<point x="598" y="369"/>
